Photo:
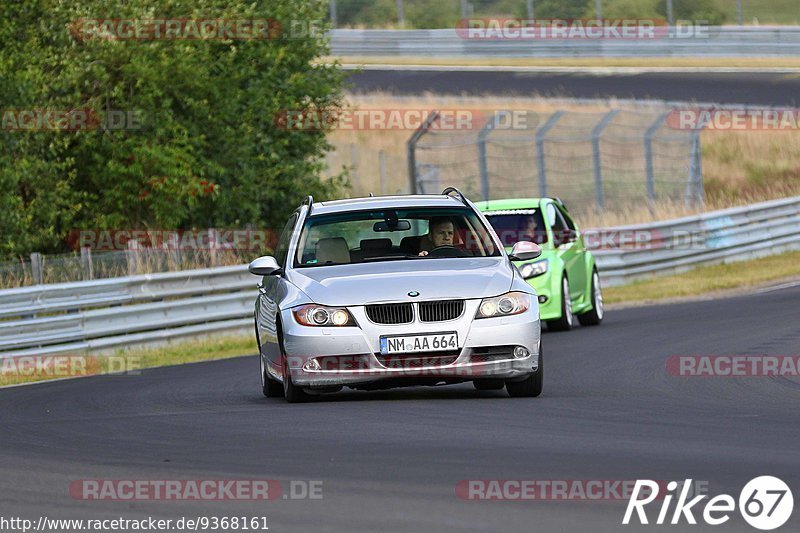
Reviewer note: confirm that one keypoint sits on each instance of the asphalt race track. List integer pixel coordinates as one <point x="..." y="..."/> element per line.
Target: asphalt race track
<point x="390" y="461"/>
<point x="756" y="88"/>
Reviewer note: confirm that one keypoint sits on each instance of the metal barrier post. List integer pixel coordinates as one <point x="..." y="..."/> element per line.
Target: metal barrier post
<point x="482" y="164"/>
<point x="598" y="172"/>
<point x="411" y="149"/>
<point x="541" y="133"/>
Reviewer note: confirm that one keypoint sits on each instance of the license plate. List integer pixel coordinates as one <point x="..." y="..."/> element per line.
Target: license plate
<point x="434" y="342"/>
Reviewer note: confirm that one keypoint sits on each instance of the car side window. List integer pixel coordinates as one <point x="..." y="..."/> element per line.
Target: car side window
<point x="566" y="217"/>
<point x="282" y="248"/>
<point x="557" y="224"/>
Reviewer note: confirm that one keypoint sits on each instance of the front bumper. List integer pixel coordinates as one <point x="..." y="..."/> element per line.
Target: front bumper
<point x="485" y="350"/>
<point x="548" y="286"/>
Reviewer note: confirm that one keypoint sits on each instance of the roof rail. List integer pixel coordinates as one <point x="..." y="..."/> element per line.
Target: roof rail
<point x="461" y="197"/>
<point x="309" y="201"/>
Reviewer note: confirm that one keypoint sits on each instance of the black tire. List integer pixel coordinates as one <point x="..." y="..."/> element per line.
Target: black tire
<point x="488" y="384"/>
<point x="594" y="316"/>
<point x="291" y="392"/>
<point x="564" y="322"/>
<point x="270" y="387"/>
<point x="532" y="386"/>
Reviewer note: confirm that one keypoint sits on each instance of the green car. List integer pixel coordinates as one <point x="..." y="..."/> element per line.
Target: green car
<point x="565" y="275"/>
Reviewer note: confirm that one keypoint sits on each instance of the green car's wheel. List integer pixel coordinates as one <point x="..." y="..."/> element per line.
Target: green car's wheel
<point x="532" y="386"/>
<point x="594" y="316"/>
<point x="564" y="322"/>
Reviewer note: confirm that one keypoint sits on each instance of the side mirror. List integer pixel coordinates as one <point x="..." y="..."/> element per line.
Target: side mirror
<point x="264" y="266"/>
<point x="525" y="251"/>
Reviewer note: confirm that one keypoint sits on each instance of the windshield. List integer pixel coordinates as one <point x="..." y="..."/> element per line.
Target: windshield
<point x="388" y="235"/>
<point x="518" y="225"/>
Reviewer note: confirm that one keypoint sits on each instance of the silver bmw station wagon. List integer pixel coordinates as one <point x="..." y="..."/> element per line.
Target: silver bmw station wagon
<point x="380" y="292"/>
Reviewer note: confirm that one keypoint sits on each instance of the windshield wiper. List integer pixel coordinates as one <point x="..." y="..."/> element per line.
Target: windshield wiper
<point x="388" y="258"/>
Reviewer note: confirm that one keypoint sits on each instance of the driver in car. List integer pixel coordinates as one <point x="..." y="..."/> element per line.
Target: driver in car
<point x="440" y="233"/>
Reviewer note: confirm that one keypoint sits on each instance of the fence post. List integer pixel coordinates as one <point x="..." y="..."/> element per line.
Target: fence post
<point x="401" y="17"/>
<point x="541" y="133"/>
<point x="482" y="163"/>
<point x="382" y="170"/>
<point x="212" y="247"/>
<point x="132" y="257"/>
<point x="36" y="268"/>
<point x="695" y="191"/>
<point x="354" y="165"/>
<point x="86" y="263"/>
<point x="172" y="247"/>
<point x="411" y="149"/>
<point x="332" y="11"/>
<point x="598" y="171"/>
<point x="648" y="159"/>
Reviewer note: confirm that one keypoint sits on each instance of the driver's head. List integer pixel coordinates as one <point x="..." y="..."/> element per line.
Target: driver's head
<point x="529" y="232"/>
<point x="441" y="230"/>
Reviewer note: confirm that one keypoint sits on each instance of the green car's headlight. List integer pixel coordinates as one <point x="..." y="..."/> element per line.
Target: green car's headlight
<point x="510" y="303"/>
<point x="531" y="270"/>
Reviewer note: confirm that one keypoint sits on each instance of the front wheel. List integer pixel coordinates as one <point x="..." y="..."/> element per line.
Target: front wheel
<point x="564" y="322"/>
<point x="531" y="387"/>
<point x="270" y="387"/>
<point x="292" y="392"/>
<point x="594" y="316"/>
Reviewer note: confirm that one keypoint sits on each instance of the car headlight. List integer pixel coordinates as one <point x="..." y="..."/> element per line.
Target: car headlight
<point x="319" y="315"/>
<point x="510" y="303"/>
<point x="531" y="270"/>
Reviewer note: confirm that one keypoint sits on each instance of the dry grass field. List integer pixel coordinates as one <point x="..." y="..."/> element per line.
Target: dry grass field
<point x="739" y="167"/>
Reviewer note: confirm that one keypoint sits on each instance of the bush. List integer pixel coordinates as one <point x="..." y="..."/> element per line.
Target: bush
<point x="209" y="152"/>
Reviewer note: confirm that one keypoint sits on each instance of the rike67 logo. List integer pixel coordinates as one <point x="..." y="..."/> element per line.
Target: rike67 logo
<point x="765" y="503"/>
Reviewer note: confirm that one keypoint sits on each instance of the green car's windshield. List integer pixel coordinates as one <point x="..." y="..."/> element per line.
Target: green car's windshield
<point x="395" y="234"/>
<point x="517" y="225"/>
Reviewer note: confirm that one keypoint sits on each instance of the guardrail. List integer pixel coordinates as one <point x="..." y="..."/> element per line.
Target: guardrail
<point x="117" y="312"/>
<point x="678" y="245"/>
<point x="715" y="41"/>
<point x="103" y="315"/>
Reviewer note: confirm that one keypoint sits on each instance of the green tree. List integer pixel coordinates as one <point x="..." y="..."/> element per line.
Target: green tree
<point x="209" y="150"/>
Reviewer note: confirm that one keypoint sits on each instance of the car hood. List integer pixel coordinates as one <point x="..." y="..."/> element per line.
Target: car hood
<point x="391" y="281"/>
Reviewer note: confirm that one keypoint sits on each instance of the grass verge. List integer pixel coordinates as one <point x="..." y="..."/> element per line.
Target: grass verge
<point x="14" y="371"/>
<point x="706" y="280"/>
